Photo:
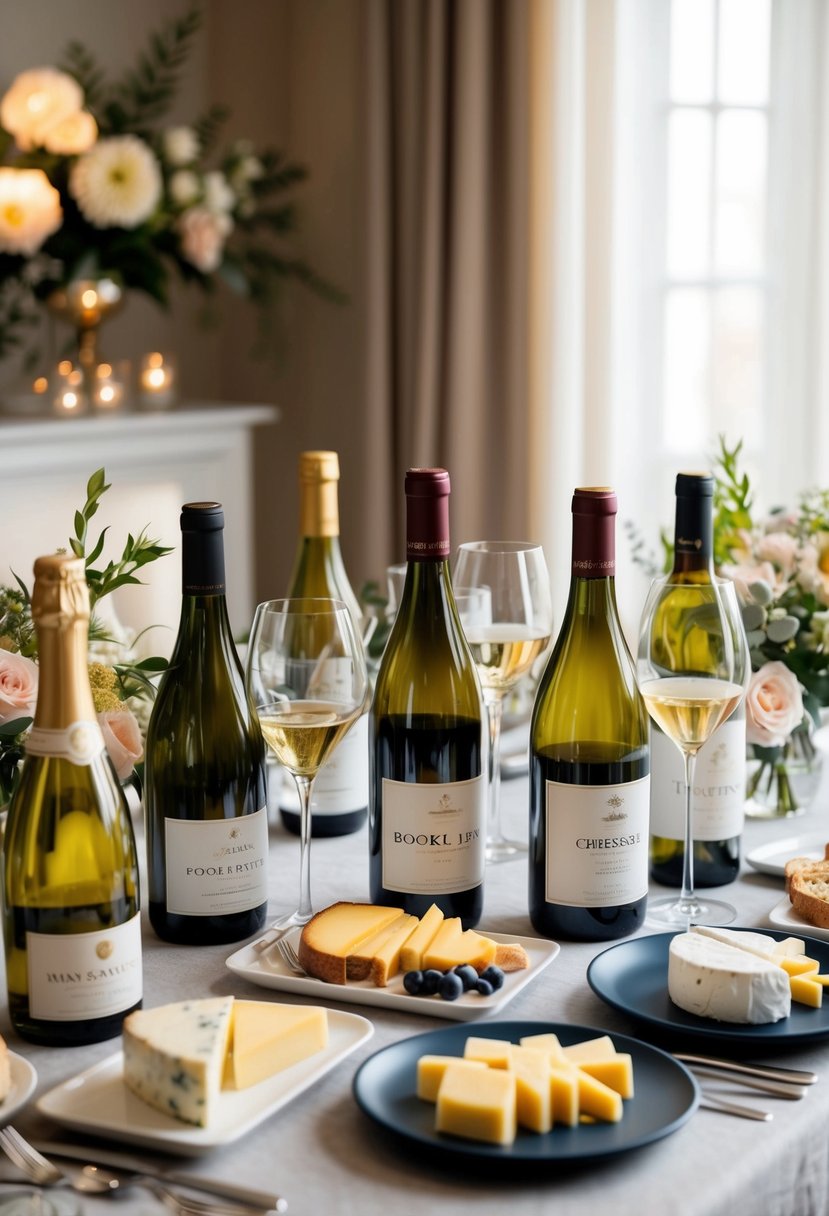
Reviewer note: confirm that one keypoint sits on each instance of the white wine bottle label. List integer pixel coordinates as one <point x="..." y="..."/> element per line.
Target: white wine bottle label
<point x="597" y="843"/>
<point x="217" y="866"/>
<point x="81" y="742"/>
<point x="74" y="976"/>
<point x="719" y="785"/>
<point x="434" y="836"/>
<point x="342" y="782"/>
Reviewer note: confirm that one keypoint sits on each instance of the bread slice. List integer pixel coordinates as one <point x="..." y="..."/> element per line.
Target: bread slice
<point x="809" y="893"/>
<point x="803" y="863"/>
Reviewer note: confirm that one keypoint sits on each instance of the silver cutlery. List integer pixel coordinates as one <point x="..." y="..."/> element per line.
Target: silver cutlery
<point x="287" y="952"/>
<point x="794" y="1076"/>
<point x="710" y="1102"/>
<point x="778" y="1089"/>
<point x="94" y="1180"/>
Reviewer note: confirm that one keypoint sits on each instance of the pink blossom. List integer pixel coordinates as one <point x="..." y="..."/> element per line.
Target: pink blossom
<point x="781" y="549"/>
<point x="18" y="686"/>
<point x="745" y="575"/>
<point x="122" y="737"/>
<point x="774" y="705"/>
<point x="203" y="237"/>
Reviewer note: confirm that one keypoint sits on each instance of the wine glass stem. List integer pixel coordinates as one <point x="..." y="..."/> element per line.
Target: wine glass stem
<point x="687" y="895"/>
<point x="303" y="785"/>
<point x="494" y="713"/>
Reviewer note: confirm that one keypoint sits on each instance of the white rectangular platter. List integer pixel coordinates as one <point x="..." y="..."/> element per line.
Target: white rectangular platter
<point x="98" y="1101"/>
<point x="269" y="970"/>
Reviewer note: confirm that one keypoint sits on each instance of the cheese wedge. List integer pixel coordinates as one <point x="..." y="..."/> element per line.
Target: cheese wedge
<point x="497" y="1053"/>
<point x="598" y="1099"/>
<point x="452" y="946"/>
<point x="478" y="1104"/>
<point x="411" y="956"/>
<point x="358" y="964"/>
<point x="174" y="1056"/>
<point x="386" y="961"/>
<point x="806" y="991"/>
<point x="564" y="1093"/>
<point x="708" y="978"/>
<point x="533" y="1090"/>
<point x="545" y="1042"/>
<point x="335" y="933"/>
<point x="799" y="965"/>
<point x="600" y="1048"/>
<point x="267" y="1037"/>
<point x="430" y="1070"/>
<point x="616" y="1073"/>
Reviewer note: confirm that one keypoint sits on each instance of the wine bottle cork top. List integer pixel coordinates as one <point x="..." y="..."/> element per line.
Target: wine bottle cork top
<point x="696" y="485"/>
<point x="427" y="483"/>
<point x="60" y="592"/>
<point x="202" y="517"/>
<point x="594" y="500"/>
<point x="319" y="466"/>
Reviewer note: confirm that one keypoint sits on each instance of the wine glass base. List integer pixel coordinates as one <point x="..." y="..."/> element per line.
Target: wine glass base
<point x="675" y="913"/>
<point x="291" y="921"/>
<point x="501" y="849"/>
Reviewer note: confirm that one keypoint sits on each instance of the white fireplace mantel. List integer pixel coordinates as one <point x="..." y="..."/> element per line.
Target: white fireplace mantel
<point x="154" y="463"/>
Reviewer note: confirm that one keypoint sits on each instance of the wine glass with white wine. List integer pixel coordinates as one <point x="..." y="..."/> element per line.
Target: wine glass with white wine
<point x="505" y="642"/>
<point x="306" y="674"/>
<point x="693" y="668"/>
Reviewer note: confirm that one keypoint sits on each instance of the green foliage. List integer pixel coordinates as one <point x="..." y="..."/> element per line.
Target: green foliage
<point x="732" y="502"/>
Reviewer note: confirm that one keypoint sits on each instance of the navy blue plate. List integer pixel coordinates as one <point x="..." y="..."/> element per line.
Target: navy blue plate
<point x="666" y="1095"/>
<point x="633" y="977"/>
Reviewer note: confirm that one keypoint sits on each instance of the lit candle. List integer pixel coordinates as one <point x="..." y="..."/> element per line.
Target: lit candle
<point x="70" y="398"/>
<point x="158" y="379"/>
<point x="108" y="393"/>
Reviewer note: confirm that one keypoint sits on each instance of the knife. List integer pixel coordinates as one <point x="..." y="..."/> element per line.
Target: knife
<point x="115" y="1160"/>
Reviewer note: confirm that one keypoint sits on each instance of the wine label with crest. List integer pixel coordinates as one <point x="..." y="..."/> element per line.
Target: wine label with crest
<point x="717" y="805"/>
<point x="597" y="843"/>
<point x="75" y="976"/>
<point x="81" y="742"/>
<point x="434" y="836"/>
<point x="216" y="867"/>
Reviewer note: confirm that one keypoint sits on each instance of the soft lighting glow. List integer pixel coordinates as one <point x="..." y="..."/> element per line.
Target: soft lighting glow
<point x="41" y="384"/>
<point x="155" y="360"/>
<point x="107" y="393"/>
<point x="89" y="298"/>
<point x="65" y="367"/>
<point x="156" y="377"/>
<point x="70" y="400"/>
<point x="104" y="371"/>
<point x="30" y="210"/>
<point x="75" y="377"/>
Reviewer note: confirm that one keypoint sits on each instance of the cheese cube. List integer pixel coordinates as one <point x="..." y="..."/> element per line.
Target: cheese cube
<point x="497" y="1053"/>
<point x="411" y="956"/>
<point x="478" y="1104"/>
<point x="268" y="1037"/>
<point x="598" y="1099"/>
<point x="533" y="1089"/>
<point x="600" y="1048"/>
<point x="430" y="1070"/>
<point x="546" y="1042"/>
<point x="617" y="1073"/>
<point x="805" y="991"/>
<point x="564" y="1094"/>
<point x="801" y="965"/>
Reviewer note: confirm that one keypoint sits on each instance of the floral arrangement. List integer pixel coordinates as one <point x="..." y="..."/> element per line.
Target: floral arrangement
<point x="93" y="184"/>
<point x="122" y="685"/>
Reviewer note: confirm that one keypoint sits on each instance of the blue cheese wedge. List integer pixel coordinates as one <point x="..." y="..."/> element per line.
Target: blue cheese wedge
<point x="713" y="979"/>
<point x="174" y="1056"/>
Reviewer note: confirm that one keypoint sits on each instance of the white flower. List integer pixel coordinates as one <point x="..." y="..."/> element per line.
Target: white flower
<point x="774" y="705"/>
<point x="218" y="196"/>
<point x="72" y="135"/>
<point x="117" y="184"/>
<point x="184" y="187"/>
<point x="202" y="237"/>
<point x="180" y="145"/>
<point x="38" y="100"/>
<point x="30" y="210"/>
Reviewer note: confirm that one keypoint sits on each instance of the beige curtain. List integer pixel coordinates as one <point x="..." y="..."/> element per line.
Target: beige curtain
<point x="447" y="106"/>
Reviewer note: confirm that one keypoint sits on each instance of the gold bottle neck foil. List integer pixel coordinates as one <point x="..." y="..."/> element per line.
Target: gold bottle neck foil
<point x="319" y="509"/>
<point x="60" y="610"/>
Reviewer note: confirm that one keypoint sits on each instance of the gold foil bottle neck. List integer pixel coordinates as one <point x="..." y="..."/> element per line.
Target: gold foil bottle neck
<point x="319" y="473"/>
<point x="319" y="466"/>
<point x="60" y="596"/>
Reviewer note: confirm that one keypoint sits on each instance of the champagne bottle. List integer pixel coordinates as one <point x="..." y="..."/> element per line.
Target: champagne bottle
<point x="427" y="788"/>
<point x="589" y="783"/>
<point x="719" y="780"/>
<point x="205" y="791"/>
<point x="340" y="796"/>
<point x="70" y="870"/>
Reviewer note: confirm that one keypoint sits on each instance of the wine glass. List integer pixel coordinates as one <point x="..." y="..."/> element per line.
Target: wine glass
<point x="306" y="674"/>
<point x="693" y="668"/>
<point x="506" y="645"/>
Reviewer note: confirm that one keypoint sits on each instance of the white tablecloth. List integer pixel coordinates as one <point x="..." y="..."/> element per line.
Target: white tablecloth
<point x="325" y="1156"/>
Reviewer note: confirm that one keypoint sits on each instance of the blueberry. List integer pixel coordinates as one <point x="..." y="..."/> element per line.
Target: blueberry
<point x="430" y="981"/>
<point x="451" y="986"/>
<point x="468" y="975"/>
<point x="484" y="987"/>
<point x="413" y="982"/>
<point x="493" y="975"/>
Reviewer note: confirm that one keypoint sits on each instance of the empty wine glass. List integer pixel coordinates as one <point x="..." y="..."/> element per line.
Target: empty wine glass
<point x="504" y="646"/>
<point x="693" y="668"/>
<point x="306" y="674"/>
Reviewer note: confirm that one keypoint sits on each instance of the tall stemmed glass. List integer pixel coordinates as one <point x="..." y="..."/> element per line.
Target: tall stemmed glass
<point x="505" y="647"/>
<point x="693" y="668"/>
<point x="306" y="674"/>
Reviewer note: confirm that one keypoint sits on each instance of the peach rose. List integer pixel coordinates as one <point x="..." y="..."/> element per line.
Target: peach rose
<point x="18" y="686"/>
<point x="203" y="237"/>
<point x="779" y="548"/>
<point x="774" y="705"/>
<point x="759" y="572"/>
<point x="122" y="737"/>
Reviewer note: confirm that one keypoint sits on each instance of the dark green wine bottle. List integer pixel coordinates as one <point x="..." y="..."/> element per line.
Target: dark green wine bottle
<point x="427" y="784"/>
<point x="205" y="791"/>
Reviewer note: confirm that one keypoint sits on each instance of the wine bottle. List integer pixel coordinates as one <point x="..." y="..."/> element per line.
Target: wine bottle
<point x="427" y="788"/>
<point x="205" y="786"/>
<point x="339" y="801"/>
<point x="589" y="782"/>
<point x="719" y="779"/>
<point x="70" y="869"/>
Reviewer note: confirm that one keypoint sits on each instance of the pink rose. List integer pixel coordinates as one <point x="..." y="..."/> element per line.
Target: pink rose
<point x="122" y="737"/>
<point x="203" y="237"/>
<point x="779" y="548"/>
<point x="745" y="575"/>
<point x="18" y="686"/>
<point x="774" y="705"/>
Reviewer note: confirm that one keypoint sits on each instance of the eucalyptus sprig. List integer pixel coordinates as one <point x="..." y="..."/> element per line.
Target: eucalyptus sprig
<point x="732" y="502"/>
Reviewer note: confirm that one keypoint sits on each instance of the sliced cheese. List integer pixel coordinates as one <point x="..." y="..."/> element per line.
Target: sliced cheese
<point x="411" y="956"/>
<point x="564" y="1092"/>
<point x="598" y="1099"/>
<point x="533" y="1096"/>
<point x="452" y="946"/>
<point x="430" y="1070"/>
<point x="616" y="1073"/>
<point x="798" y="964"/>
<point x="386" y="961"/>
<point x="600" y="1048"/>
<point x="806" y="991"/>
<point x="708" y="978"/>
<point x="497" y="1053"/>
<point x="335" y="933"/>
<point x="174" y="1056"/>
<point x="268" y="1037"/>
<point x="545" y="1042"/>
<point x="358" y="964"/>
<point x="478" y="1104"/>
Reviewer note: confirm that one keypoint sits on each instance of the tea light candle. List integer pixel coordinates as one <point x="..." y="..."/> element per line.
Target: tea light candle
<point x="108" y="393"/>
<point x="70" y="398"/>
<point x="158" y="379"/>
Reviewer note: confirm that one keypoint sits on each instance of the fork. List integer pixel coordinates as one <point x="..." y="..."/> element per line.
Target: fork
<point x="286" y="950"/>
<point x="43" y="1172"/>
